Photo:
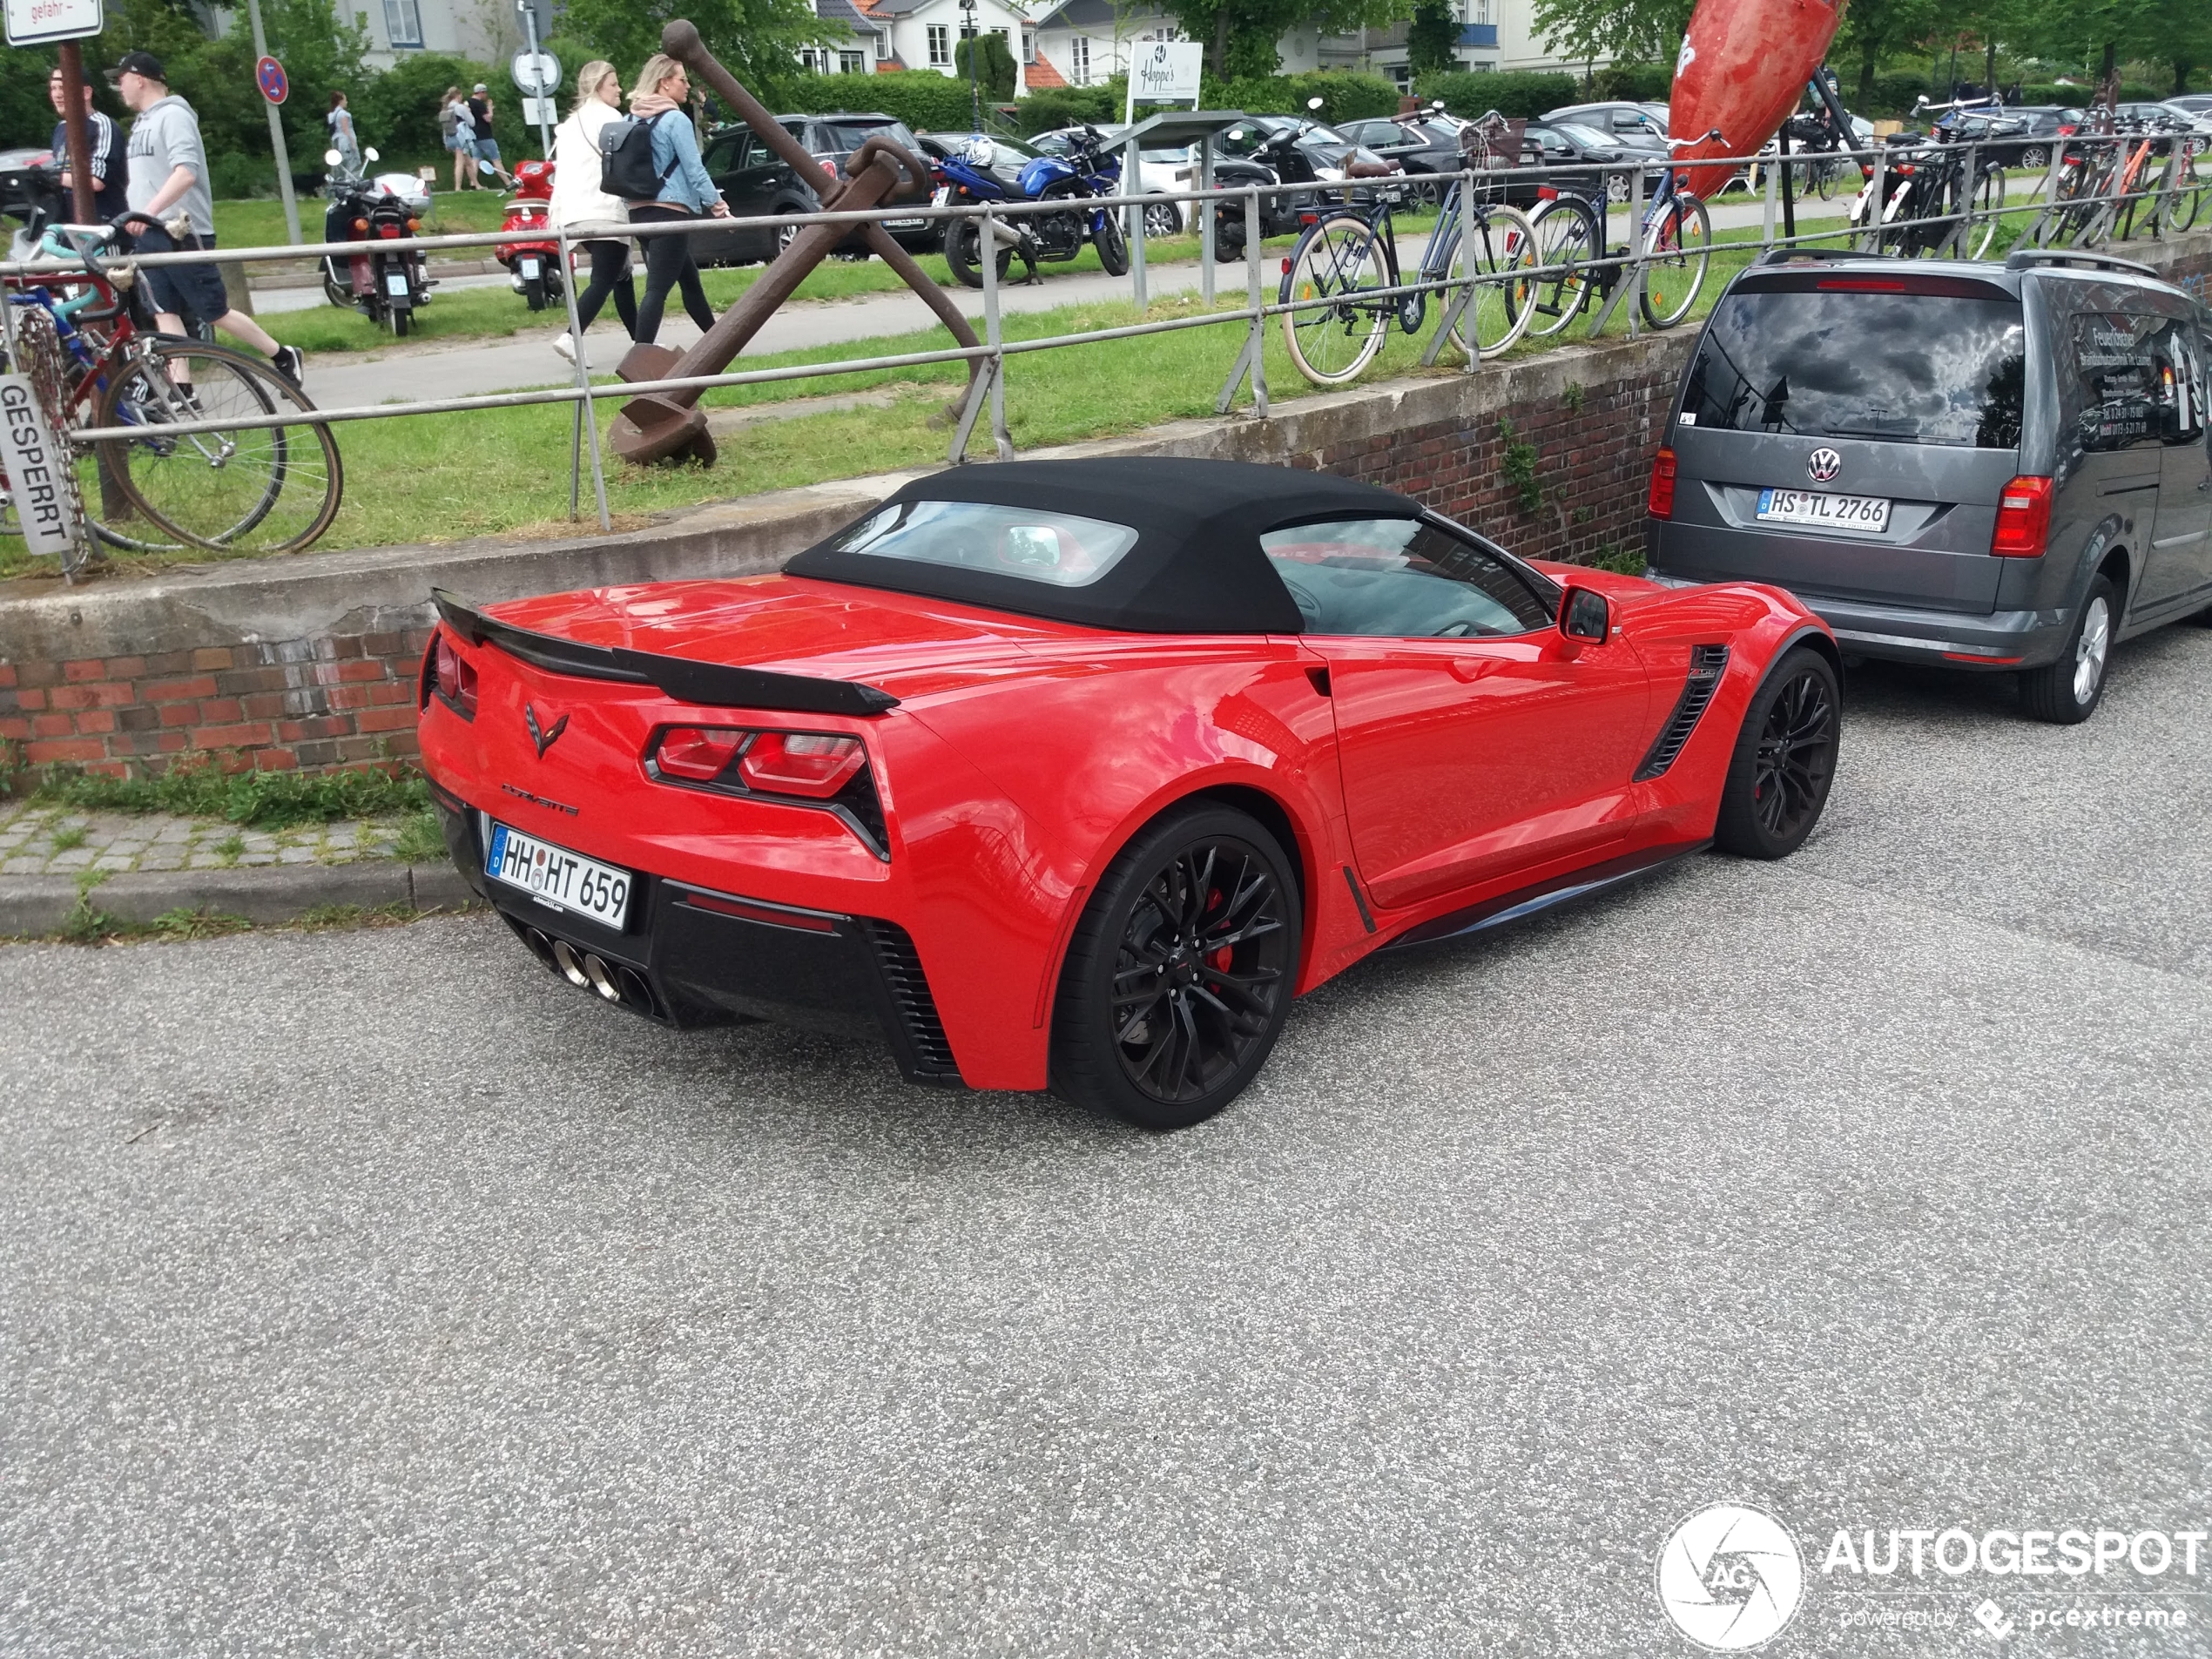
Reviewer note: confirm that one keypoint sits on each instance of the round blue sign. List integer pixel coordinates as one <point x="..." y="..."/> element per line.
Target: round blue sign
<point x="268" y="74"/>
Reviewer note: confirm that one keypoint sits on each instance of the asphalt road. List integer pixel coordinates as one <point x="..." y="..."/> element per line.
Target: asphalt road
<point x="375" y="1293"/>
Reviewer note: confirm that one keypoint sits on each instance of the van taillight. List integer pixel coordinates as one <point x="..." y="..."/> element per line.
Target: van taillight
<point x="2023" y="519"/>
<point x="1660" y="502"/>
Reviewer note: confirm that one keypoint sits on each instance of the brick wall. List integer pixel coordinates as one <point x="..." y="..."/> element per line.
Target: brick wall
<point x="310" y="703"/>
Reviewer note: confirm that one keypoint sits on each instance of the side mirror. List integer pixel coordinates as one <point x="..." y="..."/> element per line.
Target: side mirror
<point x="1584" y="615"/>
<point x="331" y="157"/>
<point x="370" y="154"/>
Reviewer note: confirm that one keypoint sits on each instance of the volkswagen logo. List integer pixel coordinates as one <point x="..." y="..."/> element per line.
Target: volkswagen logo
<point x="1824" y="464"/>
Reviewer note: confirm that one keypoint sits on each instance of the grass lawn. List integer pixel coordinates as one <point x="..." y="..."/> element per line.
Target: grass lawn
<point x="440" y="478"/>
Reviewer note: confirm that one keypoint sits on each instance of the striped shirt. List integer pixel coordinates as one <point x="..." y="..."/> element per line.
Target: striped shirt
<point x="108" y="199"/>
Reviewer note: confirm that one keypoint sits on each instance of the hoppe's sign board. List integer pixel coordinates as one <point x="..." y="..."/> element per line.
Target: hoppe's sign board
<point x="41" y="23"/>
<point x="38" y="469"/>
<point x="1166" y="71"/>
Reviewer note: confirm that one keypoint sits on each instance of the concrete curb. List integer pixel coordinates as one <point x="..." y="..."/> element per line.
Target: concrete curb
<point x="34" y="906"/>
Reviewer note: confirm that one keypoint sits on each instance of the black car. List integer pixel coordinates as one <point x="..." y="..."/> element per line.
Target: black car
<point x="1632" y="126"/>
<point x="1419" y="147"/>
<point x="760" y="186"/>
<point x="1571" y="156"/>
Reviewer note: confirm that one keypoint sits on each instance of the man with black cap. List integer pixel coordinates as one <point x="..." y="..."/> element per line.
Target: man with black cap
<point x="168" y="183"/>
<point x="106" y="176"/>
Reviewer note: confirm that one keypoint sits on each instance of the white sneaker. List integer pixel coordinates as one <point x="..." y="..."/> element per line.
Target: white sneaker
<point x="565" y="346"/>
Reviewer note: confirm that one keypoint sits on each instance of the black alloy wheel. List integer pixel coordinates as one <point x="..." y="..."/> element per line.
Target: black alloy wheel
<point x="1784" y="759"/>
<point x="1179" y="976"/>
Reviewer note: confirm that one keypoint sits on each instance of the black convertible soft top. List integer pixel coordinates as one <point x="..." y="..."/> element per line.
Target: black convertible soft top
<point x="1196" y="568"/>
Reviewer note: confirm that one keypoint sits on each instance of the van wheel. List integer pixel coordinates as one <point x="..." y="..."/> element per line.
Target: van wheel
<point x="2067" y="692"/>
<point x="1179" y="976"/>
<point x="1785" y="760"/>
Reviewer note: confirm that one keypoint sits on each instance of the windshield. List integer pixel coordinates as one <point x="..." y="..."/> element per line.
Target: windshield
<point x="1056" y="547"/>
<point x="1904" y="368"/>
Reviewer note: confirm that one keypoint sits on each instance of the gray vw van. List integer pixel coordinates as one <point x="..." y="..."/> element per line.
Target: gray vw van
<point x="1981" y="467"/>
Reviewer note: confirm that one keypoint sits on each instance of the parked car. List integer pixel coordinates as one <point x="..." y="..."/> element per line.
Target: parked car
<point x="1979" y="467"/>
<point x="2045" y="124"/>
<point x="760" y="185"/>
<point x="1634" y="126"/>
<point x="1075" y="774"/>
<point x="1571" y="157"/>
<point x="1422" y="148"/>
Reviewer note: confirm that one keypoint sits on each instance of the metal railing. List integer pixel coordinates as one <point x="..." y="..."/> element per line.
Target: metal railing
<point x="1622" y="269"/>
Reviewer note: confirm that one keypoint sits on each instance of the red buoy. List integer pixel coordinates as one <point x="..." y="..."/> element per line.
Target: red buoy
<point x="1743" y="66"/>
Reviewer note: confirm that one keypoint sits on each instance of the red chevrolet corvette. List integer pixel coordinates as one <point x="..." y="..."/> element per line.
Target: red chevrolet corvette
<point x="1073" y="774"/>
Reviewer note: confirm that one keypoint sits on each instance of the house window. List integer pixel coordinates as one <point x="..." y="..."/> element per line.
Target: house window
<point x="941" y="45"/>
<point x="852" y="63"/>
<point x="1079" y="59"/>
<point x="882" y="48"/>
<point x="809" y="60"/>
<point x="1481" y="11"/>
<point x="402" y="23"/>
<point x="1028" y="47"/>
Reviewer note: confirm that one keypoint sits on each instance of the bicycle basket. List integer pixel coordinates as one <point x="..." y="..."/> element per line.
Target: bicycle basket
<point x="1490" y="147"/>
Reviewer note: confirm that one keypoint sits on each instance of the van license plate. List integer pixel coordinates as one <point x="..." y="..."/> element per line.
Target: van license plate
<point x="555" y="876"/>
<point x="1868" y="515"/>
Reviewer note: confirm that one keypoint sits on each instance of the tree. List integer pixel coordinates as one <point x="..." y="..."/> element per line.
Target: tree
<point x="757" y="41"/>
<point x="993" y="70"/>
<point x="1873" y="30"/>
<point x="1432" y="44"/>
<point x="1625" y="30"/>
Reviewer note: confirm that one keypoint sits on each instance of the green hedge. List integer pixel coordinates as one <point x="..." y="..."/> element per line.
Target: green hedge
<point x="1634" y="83"/>
<point x="925" y="101"/>
<point x="1067" y="106"/>
<point x="1516" y="92"/>
<point x="1895" y="94"/>
<point x="1345" y="95"/>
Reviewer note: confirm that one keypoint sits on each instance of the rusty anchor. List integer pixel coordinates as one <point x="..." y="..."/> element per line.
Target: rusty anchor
<point x="668" y="425"/>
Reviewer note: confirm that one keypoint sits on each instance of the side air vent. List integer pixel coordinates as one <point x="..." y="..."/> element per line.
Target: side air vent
<point x="932" y="1055"/>
<point x="1706" y="663"/>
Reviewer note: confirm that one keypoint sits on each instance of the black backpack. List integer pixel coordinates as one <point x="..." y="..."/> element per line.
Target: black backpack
<point x="626" y="159"/>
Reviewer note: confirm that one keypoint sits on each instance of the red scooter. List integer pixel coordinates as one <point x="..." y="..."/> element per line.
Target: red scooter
<point x="533" y="266"/>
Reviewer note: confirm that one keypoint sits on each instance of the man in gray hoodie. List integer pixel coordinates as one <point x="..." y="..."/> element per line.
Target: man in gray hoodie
<point x="168" y="182"/>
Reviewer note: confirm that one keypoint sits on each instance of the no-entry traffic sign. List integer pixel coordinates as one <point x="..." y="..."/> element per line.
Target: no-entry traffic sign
<point x="269" y="75"/>
<point x="40" y="23"/>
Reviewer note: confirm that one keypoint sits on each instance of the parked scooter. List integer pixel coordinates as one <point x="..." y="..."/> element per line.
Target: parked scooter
<point x="533" y="268"/>
<point x="1282" y="148"/>
<point x="386" y="287"/>
<point x="989" y="171"/>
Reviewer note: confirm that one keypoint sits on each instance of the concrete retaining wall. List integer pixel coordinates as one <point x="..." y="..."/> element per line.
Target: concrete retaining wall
<point x="310" y="661"/>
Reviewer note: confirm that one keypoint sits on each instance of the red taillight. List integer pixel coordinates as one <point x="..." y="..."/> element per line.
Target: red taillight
<point x="1546" y="193"/>
<point x="1286" y="267"/>
<point x="794" y="762"/>
<point x="1661" y="501"/>
<point x="698" y="754"/>
<point x="387" y="230"/>
<point x="456" y="676"/>
<point x="1862" y="285"/>
<point x="1309" y="219"/>
<point x="2023" y="519"/>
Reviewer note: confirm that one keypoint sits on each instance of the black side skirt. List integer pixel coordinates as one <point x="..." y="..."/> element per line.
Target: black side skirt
<point x="1542" y="895"/>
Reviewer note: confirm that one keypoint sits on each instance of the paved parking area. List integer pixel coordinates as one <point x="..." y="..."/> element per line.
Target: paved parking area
<point x="372" y="1293"/>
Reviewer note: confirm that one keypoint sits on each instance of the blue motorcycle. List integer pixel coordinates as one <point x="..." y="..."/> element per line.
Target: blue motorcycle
<point x="988" y="170"/>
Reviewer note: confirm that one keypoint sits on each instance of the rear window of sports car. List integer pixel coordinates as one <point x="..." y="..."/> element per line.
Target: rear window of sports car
<point x="1059" y="549"/>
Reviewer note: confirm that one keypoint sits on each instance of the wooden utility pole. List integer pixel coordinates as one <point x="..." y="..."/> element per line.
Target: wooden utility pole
<point x="80" y="135"/>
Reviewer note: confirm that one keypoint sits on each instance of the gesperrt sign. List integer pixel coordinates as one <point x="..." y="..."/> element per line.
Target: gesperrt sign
<point x="41" y="23"/>
<point x="39" y="470"/>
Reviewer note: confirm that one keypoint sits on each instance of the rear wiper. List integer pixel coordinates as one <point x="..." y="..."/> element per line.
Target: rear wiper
<point x="1871" y="432"/>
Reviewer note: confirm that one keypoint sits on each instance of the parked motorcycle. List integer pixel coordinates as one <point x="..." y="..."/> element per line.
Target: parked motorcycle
<point x="533" y="268"/>
<point x="992" y="169"/>
<point x="1288" y="150"/>
<point x="386" y="287"/>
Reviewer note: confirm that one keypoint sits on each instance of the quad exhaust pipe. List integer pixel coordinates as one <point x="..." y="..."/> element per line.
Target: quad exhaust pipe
<point x="588" y="971"/>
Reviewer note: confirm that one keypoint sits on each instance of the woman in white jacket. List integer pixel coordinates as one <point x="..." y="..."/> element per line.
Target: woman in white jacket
<point x="586" y="211"/>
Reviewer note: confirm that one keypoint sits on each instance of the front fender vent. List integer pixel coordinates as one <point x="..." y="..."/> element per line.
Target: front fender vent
<point x="929" y="1054"/>
<point x="1706" y="665"/>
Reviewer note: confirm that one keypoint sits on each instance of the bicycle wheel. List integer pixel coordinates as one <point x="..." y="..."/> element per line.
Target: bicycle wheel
<point x="1567" y="239"/>
<point x="240" y="490"/>
<point x="1502" y="244"/>
<point x="1989" y="207"/>
<point x="2184" y="200"/>
<point x="1339" y="261"/>
<point x="1676" y="250"/>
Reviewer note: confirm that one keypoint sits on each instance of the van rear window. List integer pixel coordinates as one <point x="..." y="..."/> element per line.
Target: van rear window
<point x="1831" y="362"/>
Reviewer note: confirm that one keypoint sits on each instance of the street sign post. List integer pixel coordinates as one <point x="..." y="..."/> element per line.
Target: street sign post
<point x="538" y="74"/>
<point x="1163" y="72"/>
<point x="42" y="23"/>
<point x="263" y="64"/>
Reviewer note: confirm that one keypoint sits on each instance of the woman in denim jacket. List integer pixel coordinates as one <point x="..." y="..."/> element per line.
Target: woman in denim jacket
<point x="687" y="192"/>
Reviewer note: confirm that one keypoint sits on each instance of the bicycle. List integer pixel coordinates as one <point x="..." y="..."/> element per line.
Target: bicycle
<point x="1929" y="204"/>
<point x="1570" y="239"/>
<point x="243" y="489"/>
<point x="1350" y="260"/>
<point x="1677" y="244"/>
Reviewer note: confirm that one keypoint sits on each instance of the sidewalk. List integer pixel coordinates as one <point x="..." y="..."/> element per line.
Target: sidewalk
<point x="58" y="862"/>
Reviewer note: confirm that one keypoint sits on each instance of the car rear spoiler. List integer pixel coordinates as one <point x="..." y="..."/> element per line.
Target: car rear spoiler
<point x="712" y="685"/>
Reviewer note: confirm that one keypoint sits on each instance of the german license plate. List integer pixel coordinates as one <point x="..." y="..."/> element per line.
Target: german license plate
<point x="1868" y="515"/>
<point x="555" y="876"/>
<point x="396" y="283"/>
<point x="529" y="264"/>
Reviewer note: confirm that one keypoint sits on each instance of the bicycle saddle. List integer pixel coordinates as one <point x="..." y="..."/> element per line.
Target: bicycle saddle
<point x="1368" y="169"/>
